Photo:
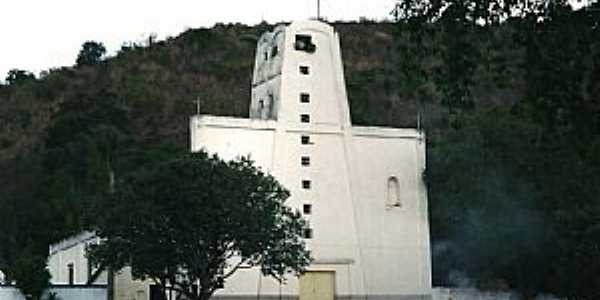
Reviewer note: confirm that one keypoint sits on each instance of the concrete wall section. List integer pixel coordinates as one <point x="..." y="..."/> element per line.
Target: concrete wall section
<point x="80" y="293"/>
<point x="394" y="239"/>
<point x="234" y="137"/>
<point x="62" y="292"/>
<point x="334" y="243"/>
<point x="10" y="293"/>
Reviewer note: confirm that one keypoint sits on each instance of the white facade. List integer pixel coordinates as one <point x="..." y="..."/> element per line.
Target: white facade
<point x="368" y="202"/>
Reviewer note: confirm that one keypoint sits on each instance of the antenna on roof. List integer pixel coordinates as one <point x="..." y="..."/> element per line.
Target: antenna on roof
<point x="197" y="101"/>
<point x="318" y="9"/>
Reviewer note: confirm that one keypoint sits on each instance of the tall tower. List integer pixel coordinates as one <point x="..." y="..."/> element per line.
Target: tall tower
<point x="298" y="71"/>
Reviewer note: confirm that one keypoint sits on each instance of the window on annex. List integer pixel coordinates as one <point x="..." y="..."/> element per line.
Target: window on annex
<point x="71" y="272"/>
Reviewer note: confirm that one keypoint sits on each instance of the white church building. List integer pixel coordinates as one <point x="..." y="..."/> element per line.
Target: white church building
<point x="360" y="188"/>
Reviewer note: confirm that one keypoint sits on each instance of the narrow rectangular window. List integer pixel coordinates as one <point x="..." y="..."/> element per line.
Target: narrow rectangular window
<point x="306" y="184"/>
<point x="304" y="98"/>
<point x="307" y="209"/>
<point x="304" y="70"/>
<point x="305" y="118"/>
<point x="305" y="140"/>
<point x="305" y="161"/>
<point x="71" y="270"/>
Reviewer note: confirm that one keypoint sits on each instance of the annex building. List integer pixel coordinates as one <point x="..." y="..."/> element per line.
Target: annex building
<point x="360" y="188"/>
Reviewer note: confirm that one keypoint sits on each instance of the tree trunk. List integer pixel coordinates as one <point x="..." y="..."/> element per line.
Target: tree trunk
<point x="110" y="284"/>
<point x="204" y="294"/>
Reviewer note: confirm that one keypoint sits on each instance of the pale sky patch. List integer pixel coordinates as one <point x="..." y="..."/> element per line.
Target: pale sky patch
<point x="38" y="35"/>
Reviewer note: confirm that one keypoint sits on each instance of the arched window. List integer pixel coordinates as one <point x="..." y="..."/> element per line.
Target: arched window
<point x="393" y="193"/>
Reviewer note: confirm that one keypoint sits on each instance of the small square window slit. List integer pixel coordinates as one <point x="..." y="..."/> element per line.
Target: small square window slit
<point x="305" y="118"/>
<point x="304" y="70"/>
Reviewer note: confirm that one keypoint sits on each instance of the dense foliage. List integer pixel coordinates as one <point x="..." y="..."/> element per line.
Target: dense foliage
<point x="191" y="222"/>
<point x="16" y="76"/>
<point x="31" y="275"/>
<point x="91" y="53"/>
<point x="514" y="174"/>
<point x="509" y="102"/>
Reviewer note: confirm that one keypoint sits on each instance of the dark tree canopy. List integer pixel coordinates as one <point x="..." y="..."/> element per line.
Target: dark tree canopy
<point x="91" y="53"/>
<point x="195" y="220"/>
<point x="16" y="76"/>
<point x="31" y="275"/>
<point x="513" y="173"/>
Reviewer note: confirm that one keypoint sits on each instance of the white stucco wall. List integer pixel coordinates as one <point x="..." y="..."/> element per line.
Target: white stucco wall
<point x="72" y="251"/>
<point x="392" y="235"/>
<point x="10" y="293"/>
<point x="63" y="293"/>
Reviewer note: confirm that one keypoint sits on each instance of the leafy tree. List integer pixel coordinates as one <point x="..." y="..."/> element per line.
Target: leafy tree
<point x="31" y="275"/>
<point x="91" y="53"/>
<point x="194" y="220"/>
<point x="16" y="76"/>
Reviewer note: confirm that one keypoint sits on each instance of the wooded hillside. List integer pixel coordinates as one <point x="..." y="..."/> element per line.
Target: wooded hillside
<point x="511" y="110"/>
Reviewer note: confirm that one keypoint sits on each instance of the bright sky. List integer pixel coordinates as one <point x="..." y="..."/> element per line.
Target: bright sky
<point x="36" y="35"/>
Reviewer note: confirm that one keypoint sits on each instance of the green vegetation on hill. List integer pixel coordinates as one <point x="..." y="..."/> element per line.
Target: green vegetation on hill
<point x="511" y="110"/>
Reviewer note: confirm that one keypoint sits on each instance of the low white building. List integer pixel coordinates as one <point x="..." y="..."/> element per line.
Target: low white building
<point x="68" y="264"/>
<point x="360" y="188"/>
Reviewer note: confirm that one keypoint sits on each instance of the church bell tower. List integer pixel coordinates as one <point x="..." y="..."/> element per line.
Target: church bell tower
<point x="298" y="76"/>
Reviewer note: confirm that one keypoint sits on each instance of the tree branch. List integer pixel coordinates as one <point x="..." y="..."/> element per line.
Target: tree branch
<point x="237" y="266"/>
<point x="96" y="274"/>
